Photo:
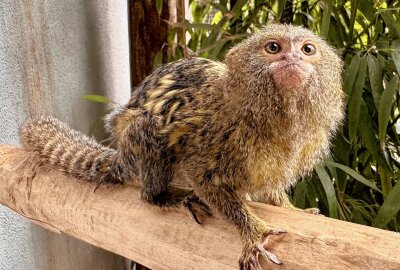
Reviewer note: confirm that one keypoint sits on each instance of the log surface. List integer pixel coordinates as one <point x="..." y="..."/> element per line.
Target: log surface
<point x="114" y="218"/>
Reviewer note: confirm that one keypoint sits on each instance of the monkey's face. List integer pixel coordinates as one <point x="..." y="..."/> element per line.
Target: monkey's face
<point x="291" y="61"/>
<point x="285" y="58"/>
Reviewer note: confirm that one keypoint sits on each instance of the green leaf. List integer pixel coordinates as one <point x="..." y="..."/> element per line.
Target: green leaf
<point x="376" y="78"/>
<point x="329" y="191"/>
<point x="217" y="18"/>
<point x="159" y="5"/>
<point x="335" y="33"/>
<point x="158" y="58"/>
<point x="350" y="75"/>
<point x="389" y="208"/>
<point x="238" y="7"/>
<point x="396" y="54"/>
<point x="218" y="46"/>
<point x="220" y="7"/>
<point x="355" y="100"/>
<point x="277" y="8"/>
<point x="386" y="107"/>
<point x="385" y="178"/>
<point x="353" y="174"/>
<point x="326" y="17"/>
<point x="96" y="98"/>
<point x="299" y="196"/>
<point x="369" y="137"/>
<point x="353" y="10"/>
<point x="394" y="27"/>
<point x="367" y="9"/>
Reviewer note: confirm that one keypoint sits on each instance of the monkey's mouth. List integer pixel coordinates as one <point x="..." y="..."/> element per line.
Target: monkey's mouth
<point x="291" y="76"/>
<point x="292" y="67"/>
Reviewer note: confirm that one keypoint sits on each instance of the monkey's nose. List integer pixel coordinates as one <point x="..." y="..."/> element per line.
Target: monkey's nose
<point x="293" y="56"/>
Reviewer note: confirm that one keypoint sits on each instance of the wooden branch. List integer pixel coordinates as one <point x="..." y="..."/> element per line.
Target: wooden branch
<point x="114" y="218"/>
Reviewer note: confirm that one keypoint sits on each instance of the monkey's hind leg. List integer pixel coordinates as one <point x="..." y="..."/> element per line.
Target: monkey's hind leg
<point x="254" y="232"/>
<point x="156" y="170"/>
<point x="156" y="191"/>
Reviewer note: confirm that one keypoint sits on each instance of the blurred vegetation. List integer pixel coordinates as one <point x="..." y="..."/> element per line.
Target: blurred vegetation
<point x="359" y="183"/>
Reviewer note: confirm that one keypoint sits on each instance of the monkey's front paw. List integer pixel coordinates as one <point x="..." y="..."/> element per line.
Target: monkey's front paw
<point x="196" y="206"/>
<point x="250" y="257"/>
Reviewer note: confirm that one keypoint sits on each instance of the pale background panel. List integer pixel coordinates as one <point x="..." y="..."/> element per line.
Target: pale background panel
<point x="51" y="54"/>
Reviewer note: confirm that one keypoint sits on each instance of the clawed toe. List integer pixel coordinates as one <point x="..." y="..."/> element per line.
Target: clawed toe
<point x="250" y="258"/>
<point x="261" y="247"/>
<point x="268" y="254"/>
<point x="274" y="232"/>
<point x="196" y="206"/>
<point x="313" y="211"/>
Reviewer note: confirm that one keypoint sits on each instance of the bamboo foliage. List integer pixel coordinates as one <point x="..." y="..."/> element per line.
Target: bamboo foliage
<point x="359" y="183"/>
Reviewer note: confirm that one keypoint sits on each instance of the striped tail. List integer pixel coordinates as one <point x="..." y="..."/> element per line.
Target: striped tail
<point x="70" y="151"/>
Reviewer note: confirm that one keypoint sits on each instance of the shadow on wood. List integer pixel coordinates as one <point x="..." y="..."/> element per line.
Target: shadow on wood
<point x="114" y="218"/>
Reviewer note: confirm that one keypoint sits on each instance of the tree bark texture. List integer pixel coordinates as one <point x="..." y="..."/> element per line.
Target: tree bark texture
<point x="115" y="218"/>
<point x="148" y="33"/>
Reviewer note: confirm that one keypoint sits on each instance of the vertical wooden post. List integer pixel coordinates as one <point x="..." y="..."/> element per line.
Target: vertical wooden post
<point x="180" y="17"/>
<point x="148" y="31"/>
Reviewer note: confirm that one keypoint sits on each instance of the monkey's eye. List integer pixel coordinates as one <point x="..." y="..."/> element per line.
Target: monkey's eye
<point x="272" y="48"/>
<point x="309" y="49"/>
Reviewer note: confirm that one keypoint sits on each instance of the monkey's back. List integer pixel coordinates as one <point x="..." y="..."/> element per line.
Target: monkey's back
<point x="179" y="97"/>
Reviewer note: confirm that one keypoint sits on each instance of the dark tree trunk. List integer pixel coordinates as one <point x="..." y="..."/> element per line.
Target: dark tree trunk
<point x="148" y="33"/>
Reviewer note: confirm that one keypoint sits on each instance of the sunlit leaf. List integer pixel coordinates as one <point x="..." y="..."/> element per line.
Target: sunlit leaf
<point x="217" y="17"/>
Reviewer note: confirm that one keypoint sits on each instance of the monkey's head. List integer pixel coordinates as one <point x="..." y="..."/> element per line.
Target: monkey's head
<point x="291" y="58"/>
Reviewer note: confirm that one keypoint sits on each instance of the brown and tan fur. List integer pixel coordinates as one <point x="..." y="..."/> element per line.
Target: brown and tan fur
<point x="230" y="127"/>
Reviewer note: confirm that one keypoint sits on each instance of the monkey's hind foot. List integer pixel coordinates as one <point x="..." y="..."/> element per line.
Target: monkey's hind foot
<point x="250" y="257"/>
<point x="196" y="206"/>
<point x="176" y="197"/>
<point x="313" y="211"/>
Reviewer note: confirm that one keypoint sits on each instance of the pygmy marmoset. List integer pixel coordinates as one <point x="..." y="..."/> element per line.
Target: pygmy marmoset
<point x="254" y="123"/>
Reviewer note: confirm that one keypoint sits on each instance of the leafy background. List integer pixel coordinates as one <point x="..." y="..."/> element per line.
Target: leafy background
<point x="359" y="183"/>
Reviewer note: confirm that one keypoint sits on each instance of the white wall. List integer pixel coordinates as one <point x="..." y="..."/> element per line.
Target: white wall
<point x="52" y="53"/>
